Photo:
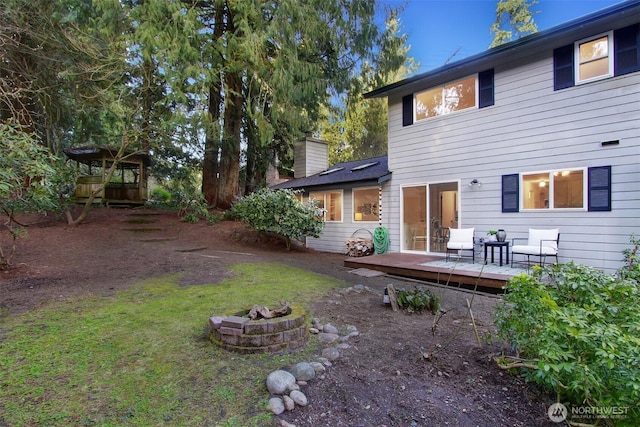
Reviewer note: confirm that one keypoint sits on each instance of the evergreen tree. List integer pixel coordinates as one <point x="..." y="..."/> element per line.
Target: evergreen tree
<point x="514" y="19"/>
<point x="261" y="70"/>
<point x="356" y="128"/>
<point x="56" y="71"/>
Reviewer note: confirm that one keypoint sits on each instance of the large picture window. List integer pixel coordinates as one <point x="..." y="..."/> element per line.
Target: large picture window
<point x="365" y="204"/>
<point x="330" y="202"/>
<point x="594" y="59"/>
<point x="553" y="190"/>
<point x="471" y="92"/>
<point x="454" y="96"/>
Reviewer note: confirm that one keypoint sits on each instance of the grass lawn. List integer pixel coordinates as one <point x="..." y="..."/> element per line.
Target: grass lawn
<point x="142" y="358"/>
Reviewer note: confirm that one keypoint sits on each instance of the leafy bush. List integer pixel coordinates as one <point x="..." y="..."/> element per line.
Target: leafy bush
<point x="418" y="300"/>
<point x="194" y="208"/>
<point x="279" y="212"/>
<point x="577" y="331"/>
<point x="631" y="268"/>
<point x="187" y="199"/>
<point x="28" y="183"/>
<point x="160" y="195"/>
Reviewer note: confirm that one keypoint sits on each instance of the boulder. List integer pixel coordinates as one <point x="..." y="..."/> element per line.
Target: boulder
<point x="278" y="382"/>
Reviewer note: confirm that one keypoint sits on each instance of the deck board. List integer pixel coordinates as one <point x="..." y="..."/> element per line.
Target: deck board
<point x="455" y="273"/>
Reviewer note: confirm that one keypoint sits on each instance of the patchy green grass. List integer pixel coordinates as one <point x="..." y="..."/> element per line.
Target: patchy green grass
<point x="142" y="358"/>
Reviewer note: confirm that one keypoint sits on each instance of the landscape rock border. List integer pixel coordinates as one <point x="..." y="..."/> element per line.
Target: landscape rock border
<point x="284" y="385"/>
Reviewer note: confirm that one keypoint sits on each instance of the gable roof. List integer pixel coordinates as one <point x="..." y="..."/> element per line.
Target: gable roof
<point x="627" y="11"/>
<point x="374" y="169"/>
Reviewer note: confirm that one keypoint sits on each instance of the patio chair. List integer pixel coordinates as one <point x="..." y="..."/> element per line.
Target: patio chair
<point x="419" y="237"/>
<point x="461" y="239"/>
<point x="540" y="243"/>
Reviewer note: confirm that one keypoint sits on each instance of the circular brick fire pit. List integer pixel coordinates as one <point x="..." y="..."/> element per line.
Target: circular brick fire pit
<point x="243" y="335"/>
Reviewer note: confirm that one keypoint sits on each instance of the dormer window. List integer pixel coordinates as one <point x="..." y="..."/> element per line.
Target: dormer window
<point x="594" y="58"/>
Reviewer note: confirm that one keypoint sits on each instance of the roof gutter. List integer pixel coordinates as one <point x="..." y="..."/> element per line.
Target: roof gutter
<point x="384" y="178"/>
<point x="628" y="7"/>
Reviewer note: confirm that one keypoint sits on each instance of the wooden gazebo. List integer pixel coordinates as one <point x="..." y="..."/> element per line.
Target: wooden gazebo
<point x="128" y="184"/>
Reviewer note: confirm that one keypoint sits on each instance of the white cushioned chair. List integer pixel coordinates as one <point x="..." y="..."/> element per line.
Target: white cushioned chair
<point x="460" y="239"/>
<point x="540" y="243"/>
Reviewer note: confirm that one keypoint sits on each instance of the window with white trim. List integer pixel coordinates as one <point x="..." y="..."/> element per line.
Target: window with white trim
<point x="365" y="204"/>
<point x="594" y="58"/>
<point x="330" y="202"/>
<point x="561" y="189"/>
<point x="614" y="53"/>
<point x="454" y="96"/>
<point x="476" y="91"/>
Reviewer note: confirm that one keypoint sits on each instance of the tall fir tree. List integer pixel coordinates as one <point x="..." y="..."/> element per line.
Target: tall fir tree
<point x="356" y="128"/>
<point x="514" y="19"/>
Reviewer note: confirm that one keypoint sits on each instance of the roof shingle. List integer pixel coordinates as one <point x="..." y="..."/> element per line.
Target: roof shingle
<point x="347" y="172"/>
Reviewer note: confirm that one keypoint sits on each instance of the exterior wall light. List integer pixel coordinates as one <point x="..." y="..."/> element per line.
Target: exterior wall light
<point x="475" y="183"/>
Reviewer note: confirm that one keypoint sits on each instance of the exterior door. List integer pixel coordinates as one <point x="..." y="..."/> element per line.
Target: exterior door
<point x="414" y="227"/>
<point x="428" y="211"/>
<point x="443" y="214"/>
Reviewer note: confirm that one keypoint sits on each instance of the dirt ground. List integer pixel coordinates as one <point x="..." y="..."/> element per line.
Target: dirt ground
<point x="396" y="373"/>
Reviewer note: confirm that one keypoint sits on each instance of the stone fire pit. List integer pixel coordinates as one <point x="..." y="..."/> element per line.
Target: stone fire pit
<point x="241" y="334"/>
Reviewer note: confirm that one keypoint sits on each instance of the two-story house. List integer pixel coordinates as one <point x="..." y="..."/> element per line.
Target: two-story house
<point x="542" y="132"/>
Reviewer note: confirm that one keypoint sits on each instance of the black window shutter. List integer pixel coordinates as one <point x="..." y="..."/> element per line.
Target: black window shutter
<point x="626" y="49"/>
<point x="599" y="189"/>
<point x="407" y="110"/>
<point x="511" y="193"/>
<point x="563" y="67"/>
<point x="485" y="85"/>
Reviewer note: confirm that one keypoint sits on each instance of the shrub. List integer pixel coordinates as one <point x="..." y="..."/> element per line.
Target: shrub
<point x="279" y="212"/>
<point x="195" y="208"/>
<point x="191" y="204"/>
<point x="160" y="195"/>
<point x="418" y="300"/>
<point x="576" y="331"/>
<point x="28" y="183"/>
<point x="631" y="267"/>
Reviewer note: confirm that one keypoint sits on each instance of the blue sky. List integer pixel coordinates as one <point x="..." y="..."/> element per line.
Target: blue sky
<point x="438" y="29"/>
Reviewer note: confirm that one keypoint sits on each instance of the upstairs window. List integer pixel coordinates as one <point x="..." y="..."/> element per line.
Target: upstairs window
<point x="455" y="96"/>
<point x="476" y="91"/>
<point x="606" y="55"/>
<point x="594" y="58"/>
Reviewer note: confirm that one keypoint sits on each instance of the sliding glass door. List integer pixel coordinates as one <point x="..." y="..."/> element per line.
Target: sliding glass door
<point x="427" y="213"/>
<point x="443" y="211"/>
<point x="414" y="218"/>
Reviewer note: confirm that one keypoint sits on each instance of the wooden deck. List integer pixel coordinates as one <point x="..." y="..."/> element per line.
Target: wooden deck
<point x="464" y="274"/>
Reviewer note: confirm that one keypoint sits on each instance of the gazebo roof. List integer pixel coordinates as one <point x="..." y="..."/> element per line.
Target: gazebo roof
<point x="89" y="155"/>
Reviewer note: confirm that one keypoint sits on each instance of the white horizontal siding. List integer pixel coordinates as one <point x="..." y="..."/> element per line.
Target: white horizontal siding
<point x="531" y="127"/>
<point x="335" y="234"/>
